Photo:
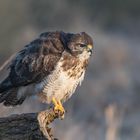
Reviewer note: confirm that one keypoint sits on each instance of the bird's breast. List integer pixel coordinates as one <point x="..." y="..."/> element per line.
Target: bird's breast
<point x="62" y="82"/>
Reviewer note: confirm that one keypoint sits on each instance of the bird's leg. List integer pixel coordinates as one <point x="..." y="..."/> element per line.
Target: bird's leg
<point x="58" y="108"/>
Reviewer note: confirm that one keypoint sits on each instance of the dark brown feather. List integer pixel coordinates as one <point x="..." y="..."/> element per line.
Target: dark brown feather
<point x="36" y="60"/>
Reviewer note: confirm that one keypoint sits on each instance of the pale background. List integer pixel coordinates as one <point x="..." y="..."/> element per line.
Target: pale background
<point x="107" y="105"/>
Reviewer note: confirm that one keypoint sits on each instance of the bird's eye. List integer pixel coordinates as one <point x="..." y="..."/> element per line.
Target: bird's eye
<point x="82" y="45"/>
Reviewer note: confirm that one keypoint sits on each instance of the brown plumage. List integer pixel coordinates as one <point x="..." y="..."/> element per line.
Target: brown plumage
<point x="50" y="66"/>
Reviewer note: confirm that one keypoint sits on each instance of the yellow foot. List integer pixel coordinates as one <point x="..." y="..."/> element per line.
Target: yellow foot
<point x="58" y="108"/>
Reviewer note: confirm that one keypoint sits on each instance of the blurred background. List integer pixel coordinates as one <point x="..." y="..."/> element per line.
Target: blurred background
<point x="107" y="105"/>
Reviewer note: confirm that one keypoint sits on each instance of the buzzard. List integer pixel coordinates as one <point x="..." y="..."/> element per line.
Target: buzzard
<point x="51" y="67"/>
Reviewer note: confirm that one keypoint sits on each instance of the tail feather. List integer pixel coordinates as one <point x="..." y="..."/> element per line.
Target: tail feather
<point x="9" y="98"/>
<point x="5" y="85"/>
<point x="8" y="94"/>
<point x="3" y="96"/>
<point x="14" y="102"/>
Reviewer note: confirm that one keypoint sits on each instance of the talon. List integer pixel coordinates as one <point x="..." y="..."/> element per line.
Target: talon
<point x="58" y="108"/>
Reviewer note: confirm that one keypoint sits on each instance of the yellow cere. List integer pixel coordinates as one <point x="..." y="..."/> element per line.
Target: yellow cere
<point x="90" y="46"/>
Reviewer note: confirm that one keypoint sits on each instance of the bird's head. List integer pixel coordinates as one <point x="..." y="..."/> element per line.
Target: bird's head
<point x="79" y="44"/>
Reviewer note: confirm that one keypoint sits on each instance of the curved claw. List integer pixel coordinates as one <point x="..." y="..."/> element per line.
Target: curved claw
<point x="58" y="108"/>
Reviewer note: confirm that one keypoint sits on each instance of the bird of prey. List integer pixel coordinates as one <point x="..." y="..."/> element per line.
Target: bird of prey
<point x="51" y="67"/>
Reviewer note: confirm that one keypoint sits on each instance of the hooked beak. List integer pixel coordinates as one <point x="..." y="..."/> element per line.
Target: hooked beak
<point x="89" y="48"/>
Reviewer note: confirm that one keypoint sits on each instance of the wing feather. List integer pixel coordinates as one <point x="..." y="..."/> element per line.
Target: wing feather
<point x="36" y="60"/>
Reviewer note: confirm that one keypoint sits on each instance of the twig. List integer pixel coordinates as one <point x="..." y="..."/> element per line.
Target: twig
<point x="114" y="117"/>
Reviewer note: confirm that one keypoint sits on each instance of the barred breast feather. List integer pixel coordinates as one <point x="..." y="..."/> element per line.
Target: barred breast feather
<point x="62" y="83"/>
